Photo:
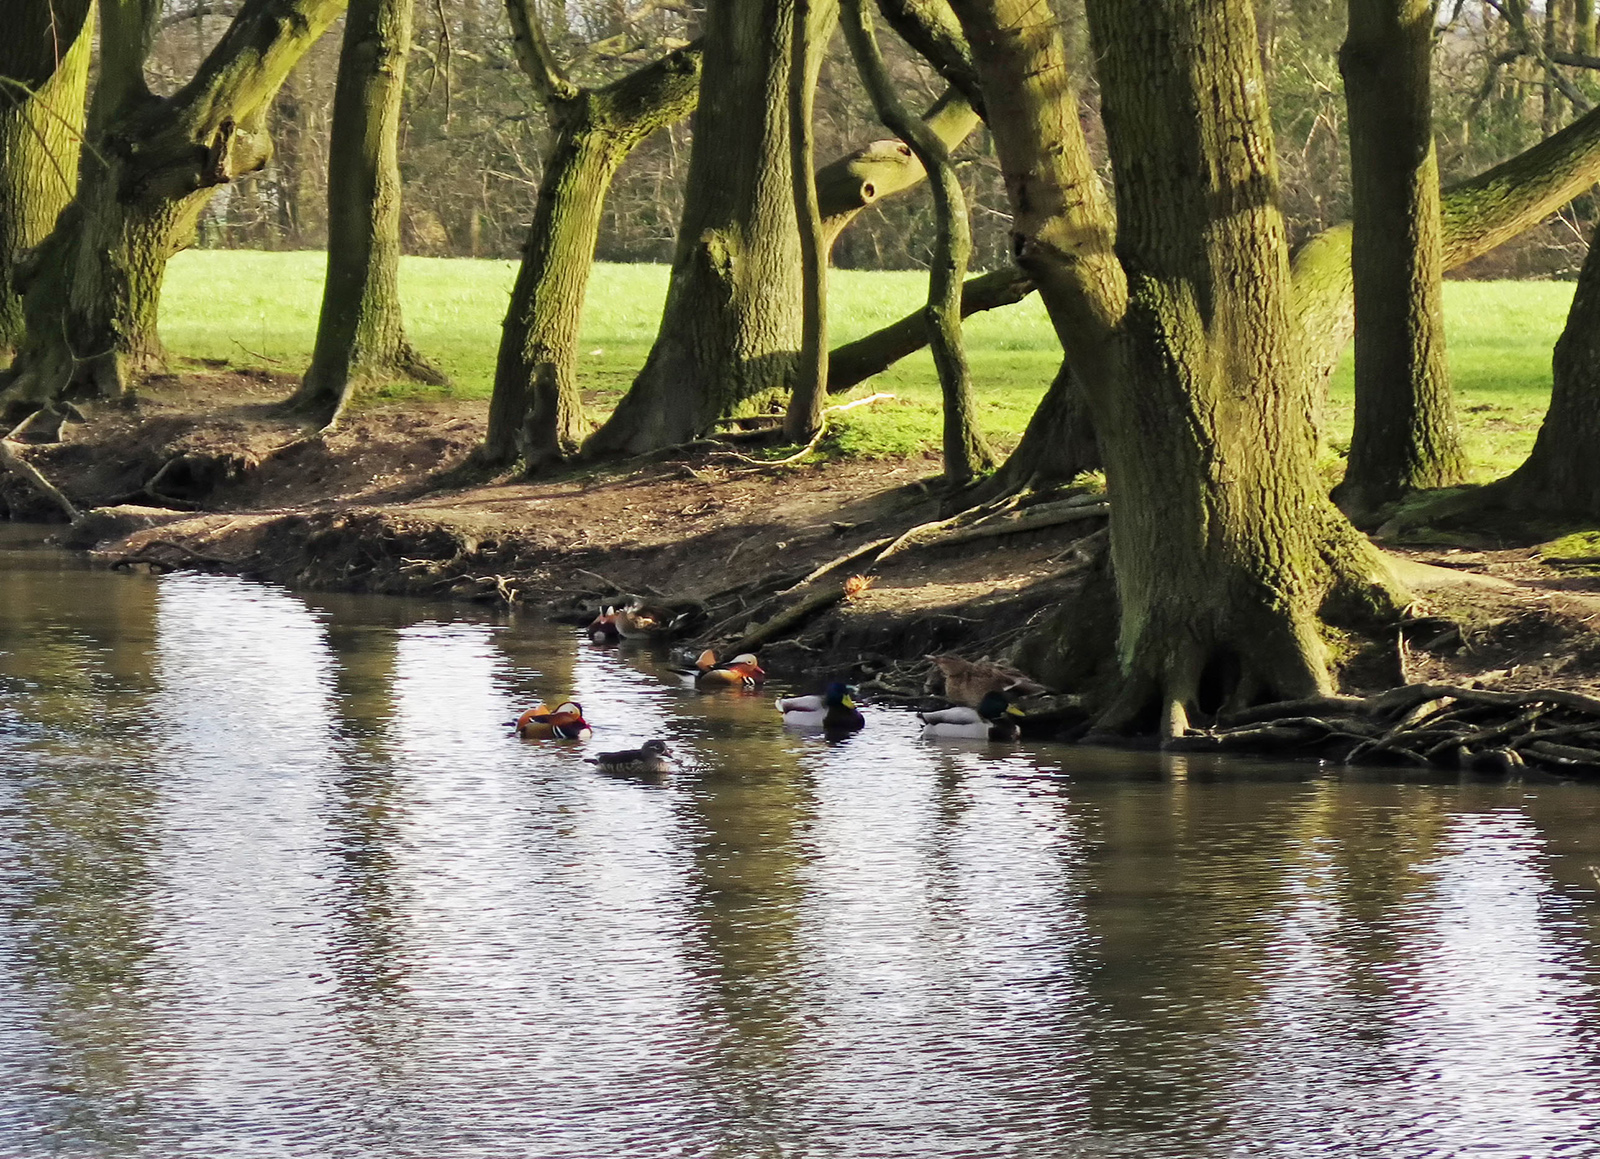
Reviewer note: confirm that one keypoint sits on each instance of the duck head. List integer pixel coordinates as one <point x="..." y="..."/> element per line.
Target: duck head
<point x="996" y="705"/>
<point x="656" y="748"/>
<point x="839" y="694"/>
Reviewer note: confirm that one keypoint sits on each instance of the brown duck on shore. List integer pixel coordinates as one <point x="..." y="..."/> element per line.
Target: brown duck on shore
<point x="969" y="681"/>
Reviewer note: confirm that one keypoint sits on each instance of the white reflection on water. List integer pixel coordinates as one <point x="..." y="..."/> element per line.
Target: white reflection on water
<point x="280" y="881"/>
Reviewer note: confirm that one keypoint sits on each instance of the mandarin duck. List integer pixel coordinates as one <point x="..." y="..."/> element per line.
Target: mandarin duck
<point x="564" y="722"/>
<point x="743" y="671"/>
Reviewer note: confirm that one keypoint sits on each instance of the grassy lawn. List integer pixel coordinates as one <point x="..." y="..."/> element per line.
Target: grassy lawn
<point x="260" y="309"/>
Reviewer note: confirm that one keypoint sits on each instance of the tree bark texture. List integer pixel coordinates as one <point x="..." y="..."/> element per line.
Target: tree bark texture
<point x="361" y="337"/>
<point x="966" y="454"/>
<point x="1406" y="436"/>
<point x="730" y="328"/>
<point x="44" y="73"/>
<point x="1562" y="474"/>
<point x="150" y="164"/>
<point x="536" y="412"/>
<point x="1226" y="550"/>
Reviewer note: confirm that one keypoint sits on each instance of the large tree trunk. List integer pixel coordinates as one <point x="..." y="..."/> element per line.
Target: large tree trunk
<point x="965" y="452"/>
<point x="150" y="165"/>
<point x="360" y="336"/>
<point x="1562" y="474"/>
<point x="1225" y="548"/>
<point x="44" y="73"/>
<point x="1405" y="435"/>
<point x="730" y="329"/>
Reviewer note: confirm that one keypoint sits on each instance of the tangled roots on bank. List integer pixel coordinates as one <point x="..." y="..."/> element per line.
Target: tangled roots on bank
<point x="1430" y="725"/>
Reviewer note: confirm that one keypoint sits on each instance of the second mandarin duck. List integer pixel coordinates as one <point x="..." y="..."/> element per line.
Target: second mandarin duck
<point x="743" y="671"/>
<point x="564" y="722"/>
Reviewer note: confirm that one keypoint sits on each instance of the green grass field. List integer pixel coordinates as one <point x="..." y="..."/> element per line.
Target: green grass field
<point x="260" y="309"/>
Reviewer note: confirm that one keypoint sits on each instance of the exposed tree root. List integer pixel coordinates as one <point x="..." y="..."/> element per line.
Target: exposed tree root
<point x="17" y="465"/>
<point x="1421" y="724"/>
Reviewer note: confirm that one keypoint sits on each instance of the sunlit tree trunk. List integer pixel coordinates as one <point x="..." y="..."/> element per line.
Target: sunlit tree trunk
<point x="965" y="452"/>
<point x="1405" y="434"/>
<point x="150" y="166"/>
<point x="44" y="73"/>
<point x="730" y="328"/>
<point x="361" y="338"/>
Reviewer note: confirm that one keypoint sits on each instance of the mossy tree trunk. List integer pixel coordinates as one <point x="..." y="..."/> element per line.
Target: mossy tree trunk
<point x="1406" y="435"/>
<point x="1226" y="550"/>
<point x="1562" y="474"/>
<point x="731" y="325"/>
<point x="361" y="337"/>
<point x="44" y="74"/>
<point x="966" y="454"/>
<point x="536" y="412"/>
<point x="148" y="168"/>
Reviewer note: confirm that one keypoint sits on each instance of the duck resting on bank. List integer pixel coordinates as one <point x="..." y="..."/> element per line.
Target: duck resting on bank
<point x="564" y="722"/>
<point x="995" y="718"/>
<point x="638" y="620"/>
<point x="649" y="759"/>
<point x="743" y="671"/>
<point x="834" y="711"/>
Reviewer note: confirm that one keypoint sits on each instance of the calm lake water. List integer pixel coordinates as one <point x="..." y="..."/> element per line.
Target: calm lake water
<point x="277" y="881"/>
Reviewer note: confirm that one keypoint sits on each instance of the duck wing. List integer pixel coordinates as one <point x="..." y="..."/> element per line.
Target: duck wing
<point x="800" y="704"/>
<point x="958" y="715"/>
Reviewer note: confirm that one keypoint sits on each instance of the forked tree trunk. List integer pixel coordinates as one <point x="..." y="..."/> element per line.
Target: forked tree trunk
<point x="966" y="454"/>
<point x="536" y="413"/>
<point x="1406" y="435"/>
<point x="150" y="165"/>
<point x="730" y="328"/>
<point x="361" y="338"/>
<point x="1226" y="550"/>
<point x="44" y="73"/>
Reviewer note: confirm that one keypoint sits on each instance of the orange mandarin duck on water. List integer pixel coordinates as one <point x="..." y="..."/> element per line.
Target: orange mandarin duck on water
<point x="743" y="671"/>
<point x="564" y="722"/>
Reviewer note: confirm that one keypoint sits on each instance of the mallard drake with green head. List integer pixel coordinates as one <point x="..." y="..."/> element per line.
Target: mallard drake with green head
<point x="995" y="718"/>
<point x="834" y="711"/>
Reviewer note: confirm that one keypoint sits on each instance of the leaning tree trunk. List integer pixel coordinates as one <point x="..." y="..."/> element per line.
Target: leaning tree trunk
<point x="360" y="336"/>
<point x="536" y="412"/>
<point x="150" y="164"/>
<point x="813" y="22"/>
<point x="965" y="452"/>
<point x="44" y="74"/>
<point x="730" y="328"/>
<point x="1405" y="435"/>
<point x="1562" y="474"/>
<point x="1225" y="548"/>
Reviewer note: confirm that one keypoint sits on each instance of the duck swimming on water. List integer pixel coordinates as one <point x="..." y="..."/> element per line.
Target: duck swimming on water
<point x="834" y="711"/>
<point x="649" y="759"/>
<point x="564" y="722"/>
<point x="743" y="671"/>
<point x="603" y="628"/>
<point x="995" y="718"/>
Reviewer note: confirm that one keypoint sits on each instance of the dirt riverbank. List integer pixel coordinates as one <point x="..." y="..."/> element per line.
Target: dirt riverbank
<point x="205" y="472"/>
